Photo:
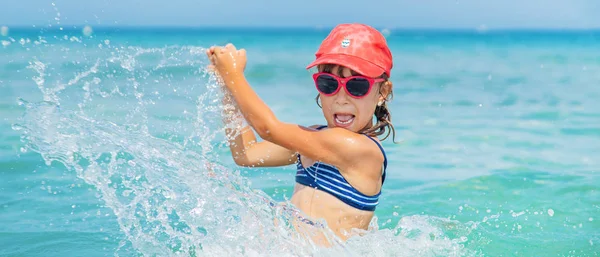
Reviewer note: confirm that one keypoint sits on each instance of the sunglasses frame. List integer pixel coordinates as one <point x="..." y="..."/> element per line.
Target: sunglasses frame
<point x="342" y="83"/>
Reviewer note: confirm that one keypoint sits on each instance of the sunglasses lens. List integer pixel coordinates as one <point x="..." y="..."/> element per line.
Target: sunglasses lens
<point x="327" y="84"/>
<point x="358" y="86"/>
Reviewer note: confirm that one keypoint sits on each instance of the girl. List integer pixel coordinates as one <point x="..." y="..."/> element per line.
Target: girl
<point x="341" y="166"/>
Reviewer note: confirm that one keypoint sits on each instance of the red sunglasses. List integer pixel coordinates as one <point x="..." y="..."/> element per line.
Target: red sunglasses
<point x="356" y="86"/>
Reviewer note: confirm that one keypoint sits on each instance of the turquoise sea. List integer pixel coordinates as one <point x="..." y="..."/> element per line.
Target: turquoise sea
<point x="112" y="145"/>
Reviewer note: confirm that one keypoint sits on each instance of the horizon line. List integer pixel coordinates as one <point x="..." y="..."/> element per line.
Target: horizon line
<point x="390" y="28"/>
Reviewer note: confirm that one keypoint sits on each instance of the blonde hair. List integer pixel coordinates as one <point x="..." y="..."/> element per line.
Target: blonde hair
<point x="382" y="113"/>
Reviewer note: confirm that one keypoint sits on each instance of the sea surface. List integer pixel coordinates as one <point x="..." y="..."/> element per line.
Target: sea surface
<point x="111" y="144"/>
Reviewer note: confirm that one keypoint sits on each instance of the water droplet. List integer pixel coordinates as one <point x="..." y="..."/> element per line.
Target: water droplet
<point x="550" y="212"/>
<point x="591" y="219"/>
<point x="73" y="206"/>
<point x="395" y="214"/>
<point x="4" y="31"/>
<point x="87" y="31"/>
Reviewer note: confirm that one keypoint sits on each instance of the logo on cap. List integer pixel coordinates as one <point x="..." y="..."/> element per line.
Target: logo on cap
<point x="345" y="43"/>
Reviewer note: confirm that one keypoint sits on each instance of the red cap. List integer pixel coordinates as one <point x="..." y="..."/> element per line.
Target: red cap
<point x="357" y="46"/>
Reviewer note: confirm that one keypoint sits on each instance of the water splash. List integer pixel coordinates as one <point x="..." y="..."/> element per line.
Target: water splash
<point x="157" y="166"/>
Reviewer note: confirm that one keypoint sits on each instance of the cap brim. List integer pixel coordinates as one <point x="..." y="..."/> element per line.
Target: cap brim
<point x="359" y="65"/>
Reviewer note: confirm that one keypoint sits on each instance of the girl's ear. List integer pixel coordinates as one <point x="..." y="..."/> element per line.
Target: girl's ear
<point x="385" y="90"/>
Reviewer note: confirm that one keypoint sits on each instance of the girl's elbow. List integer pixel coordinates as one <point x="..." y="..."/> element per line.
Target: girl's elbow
<point x="240" y="162"/>
<point x="243" y="162"/>
<point x="265" y="129"/>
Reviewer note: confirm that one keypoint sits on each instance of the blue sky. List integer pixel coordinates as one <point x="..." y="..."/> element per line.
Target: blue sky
<point x="306" y="13"/>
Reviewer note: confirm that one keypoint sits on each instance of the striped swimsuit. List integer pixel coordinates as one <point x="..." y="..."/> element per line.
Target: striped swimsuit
<point x="328" y="178"/>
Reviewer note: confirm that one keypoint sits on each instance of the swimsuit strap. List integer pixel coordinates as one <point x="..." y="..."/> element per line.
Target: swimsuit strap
<point x="384" y="158"/>
<point x="382" y="151"/>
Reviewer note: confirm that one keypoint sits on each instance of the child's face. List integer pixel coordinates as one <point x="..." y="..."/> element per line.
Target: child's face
<point x="343" y="110"/>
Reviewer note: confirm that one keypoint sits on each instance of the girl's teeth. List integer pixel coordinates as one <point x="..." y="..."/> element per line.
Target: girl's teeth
<point x="344" y="122"/>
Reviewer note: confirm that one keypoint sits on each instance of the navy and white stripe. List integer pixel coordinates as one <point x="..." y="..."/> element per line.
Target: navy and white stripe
<point x="328" y="178"/>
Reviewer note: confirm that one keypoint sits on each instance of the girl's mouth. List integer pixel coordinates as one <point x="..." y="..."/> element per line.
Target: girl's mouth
<point x="343" y="120"/>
